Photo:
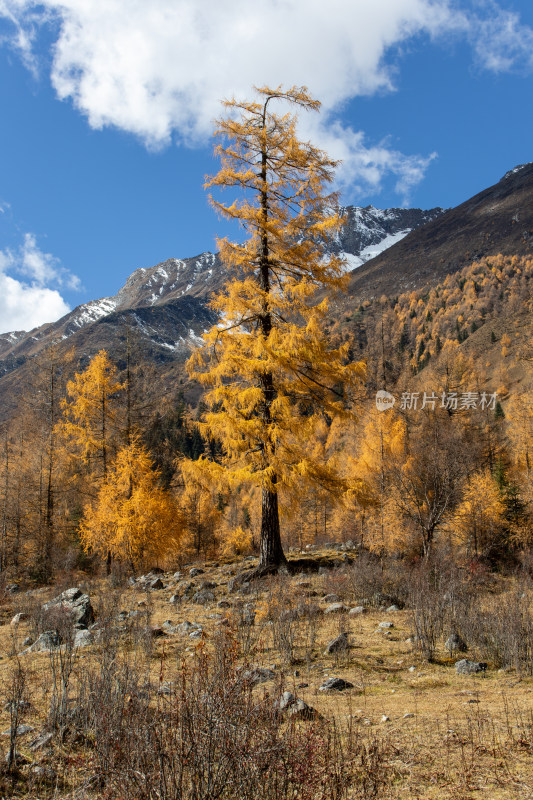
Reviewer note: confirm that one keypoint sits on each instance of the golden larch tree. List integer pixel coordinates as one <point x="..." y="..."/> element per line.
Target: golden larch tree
<point x="88" y="413"/>
<point x="133" y="518"/>
<point x="269" y="372"/>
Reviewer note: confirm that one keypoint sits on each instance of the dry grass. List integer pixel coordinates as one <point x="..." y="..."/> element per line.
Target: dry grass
<point x="438" y="734"/>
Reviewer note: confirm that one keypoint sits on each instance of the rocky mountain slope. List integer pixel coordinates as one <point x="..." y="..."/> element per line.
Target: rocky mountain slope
<point x="497" y="220"/>
<point x="165" y="309"/>
<point x="166" y="303"/>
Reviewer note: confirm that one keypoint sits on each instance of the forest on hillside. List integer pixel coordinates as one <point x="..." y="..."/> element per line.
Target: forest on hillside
<point x="90" y="468"/>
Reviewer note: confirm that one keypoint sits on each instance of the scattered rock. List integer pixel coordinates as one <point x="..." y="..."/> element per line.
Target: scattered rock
<point x="21" y="730"/>
<point x="409" y="715"/>
<point x="224" y="604"/>
<point x="331" y="598"/>
<point x="301" y="710"/>
<point x="83" y="638"/>
<point x="156" y="584"/>
<point x="196" y="634"/>
<point x="157" y="632"/>
<point x="258" y="675"/>
<point x="336" y="608"/>
<point x="337" y="645"/>
<point x="386" y="625"/>
<point x="287" y="699"/>
<point x="28" y="641"/>
<point x="42" y="741"/>
<point x="175" y="599"/>
<point x="186" y="627"/>
<point x="203" y="597"/>
<point x="385" y="718"/>
<point x="196" y="571"/>
<point x="354" y="612"/>
<point x="466" y="667"/>
<point x="12" y="588"/>
<point x="45" y="642"/>
<point x="77" y="604"/>
<point x="335" y="685"/>
<point x="391" y="609"/>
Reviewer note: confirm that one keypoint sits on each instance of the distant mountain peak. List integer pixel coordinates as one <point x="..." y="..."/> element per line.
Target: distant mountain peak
<point x="516" y="169"/>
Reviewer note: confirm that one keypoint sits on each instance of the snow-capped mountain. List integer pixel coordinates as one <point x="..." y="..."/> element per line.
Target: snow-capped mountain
<point x="370" y="231"/>
<point x="366" y="233"/>
<point x="165" y="307"/>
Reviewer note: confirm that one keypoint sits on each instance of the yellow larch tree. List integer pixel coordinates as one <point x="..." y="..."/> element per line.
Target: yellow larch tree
<point x="382" y="449"/>
<point x="133" y="518"/>
<point x="88" y="414"/>
<point x="269" y="373"/>
<point x="479" y="520"/>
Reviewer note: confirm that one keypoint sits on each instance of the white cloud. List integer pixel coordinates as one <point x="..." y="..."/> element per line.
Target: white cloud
<point x="23" y="307"/>
<point x="501" y="43"/>
<point x="27" y="295"/>
<point x="158" y="68"/>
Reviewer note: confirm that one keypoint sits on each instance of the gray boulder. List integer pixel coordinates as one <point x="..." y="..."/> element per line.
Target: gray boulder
<point x="336" y="608"/>
<point x="258" y="675"/>
<point x="286" y="700"/>
<point x="354" y="612"/>
<point x="196" y="571"/>
<point x="21" y="730"/>
<point x="335" y="685"/>
<point x="76" y="604"/>
<point x="186" y="627"/>
<point x="300" y="710"/>
<point x="337" y="645"/>
<point x="42" y="741"/>
<point x="466" y="667"/>
<point x="47" y="641"/>
<point x="83" y="638"/>
<point x="203" y="597"/>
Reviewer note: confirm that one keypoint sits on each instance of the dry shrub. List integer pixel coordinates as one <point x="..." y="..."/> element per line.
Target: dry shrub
<point x="502" y="630"/>
<point x="428" y="604"/>
<point x="213" y="736"/>
<point x="293" y="621"/>
<point x="366" y="576"/>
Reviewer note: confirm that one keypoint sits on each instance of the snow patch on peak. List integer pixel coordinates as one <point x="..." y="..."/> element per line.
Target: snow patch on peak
<point x="352" y="262"/>
<point x="93" y="311"/>
<point x="13" y="336"/>
<point x="374" y="250"/>
<point x="516" y="169"/>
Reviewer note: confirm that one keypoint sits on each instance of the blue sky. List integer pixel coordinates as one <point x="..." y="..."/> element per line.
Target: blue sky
<point x="107" y="110"/>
